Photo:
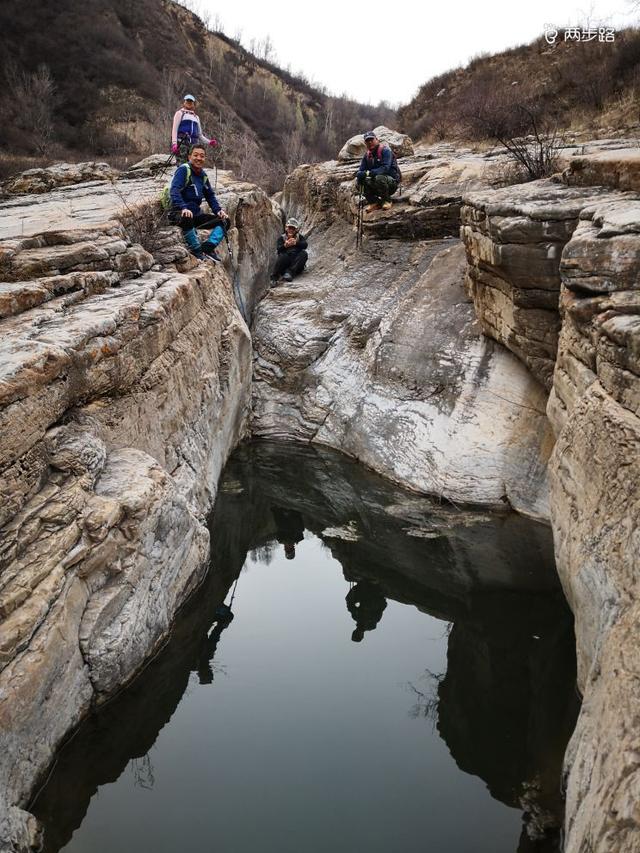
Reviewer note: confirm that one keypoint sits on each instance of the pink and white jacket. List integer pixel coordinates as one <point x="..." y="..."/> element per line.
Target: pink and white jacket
<point x="187" y="123"/>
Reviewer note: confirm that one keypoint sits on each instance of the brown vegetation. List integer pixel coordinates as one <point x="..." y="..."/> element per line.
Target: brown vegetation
<point x="567" y="85"/>
<point x="108" y="76"/>
<point x="143" y="223"/>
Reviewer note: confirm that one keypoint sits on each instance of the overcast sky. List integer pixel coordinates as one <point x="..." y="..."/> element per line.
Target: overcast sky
<point x="383" y="50"/>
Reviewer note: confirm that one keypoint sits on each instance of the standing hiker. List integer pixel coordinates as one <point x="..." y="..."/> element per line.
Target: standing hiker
<point x="189" y="188"/>
<point x="378" y="174"/>
<point x="292" y="253"/>
<point x="187" y="130"/>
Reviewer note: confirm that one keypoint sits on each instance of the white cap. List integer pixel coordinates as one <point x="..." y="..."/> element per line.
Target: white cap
<point x="188" y="98"/>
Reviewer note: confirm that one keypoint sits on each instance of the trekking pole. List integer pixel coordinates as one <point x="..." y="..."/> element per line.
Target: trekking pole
<point x="233" y="592"/>
<point x="228" y="242"/>
<point x="359" y="220"/>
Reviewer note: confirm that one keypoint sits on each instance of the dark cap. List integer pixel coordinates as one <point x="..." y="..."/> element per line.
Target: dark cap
<point x="369" y="135"/>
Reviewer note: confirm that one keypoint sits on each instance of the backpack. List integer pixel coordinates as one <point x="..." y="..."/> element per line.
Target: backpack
<point x="395" y="169"/>
<point x="165" y="195"/>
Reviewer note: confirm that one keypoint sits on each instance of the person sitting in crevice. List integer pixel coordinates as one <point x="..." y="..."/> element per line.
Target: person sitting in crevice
<point x="189" y="188"/>
<point x="292" y="253"/>
<point x="366" y="604"/>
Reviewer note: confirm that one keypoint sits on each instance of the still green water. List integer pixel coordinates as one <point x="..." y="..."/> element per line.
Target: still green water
<point x="397" y="675"/>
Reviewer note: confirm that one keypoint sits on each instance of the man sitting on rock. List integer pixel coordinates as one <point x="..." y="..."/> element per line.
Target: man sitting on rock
<point x="189" y="187"/>
<point x="292" y="253"/>
<point x="378" y="174"/>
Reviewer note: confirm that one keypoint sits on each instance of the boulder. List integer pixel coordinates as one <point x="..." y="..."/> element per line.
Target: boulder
<point x="59" y="175"/>
<point x="400" y="143"/>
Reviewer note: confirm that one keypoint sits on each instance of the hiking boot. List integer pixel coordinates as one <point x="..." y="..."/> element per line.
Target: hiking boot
<point x="287" y="277"/>
<point x="198" y="254"/>
<point x="387" y="205"/>
<point x="371" y="207"/>
<point x="210" y="252"/>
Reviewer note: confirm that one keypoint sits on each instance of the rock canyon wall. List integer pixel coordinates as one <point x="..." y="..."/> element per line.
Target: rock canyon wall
<point x="500" y="370"/>
<point x="575" y="244"/>
<point x="378" y="353"/>
<point x="124" y="385"/>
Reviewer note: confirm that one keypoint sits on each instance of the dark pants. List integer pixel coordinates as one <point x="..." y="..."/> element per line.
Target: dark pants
<point x="184" y="144"/>
<point x="379" y="188"/>
<point x="290" y="262"/>
<point x="200" y="220"/>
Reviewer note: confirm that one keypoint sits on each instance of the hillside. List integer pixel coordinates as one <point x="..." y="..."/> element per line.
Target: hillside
<point x="572" y="85"/>
<point x="103" y="79"/>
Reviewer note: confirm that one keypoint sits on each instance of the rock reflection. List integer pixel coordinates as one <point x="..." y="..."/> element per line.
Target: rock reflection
<point x="505" y="706"/>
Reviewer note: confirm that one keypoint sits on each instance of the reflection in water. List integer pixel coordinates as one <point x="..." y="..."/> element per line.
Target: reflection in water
<point x="223" y="618"/>
<point x="289" y="529"/>
<point x="503" y="704"/>
<point x="366" y="605"/>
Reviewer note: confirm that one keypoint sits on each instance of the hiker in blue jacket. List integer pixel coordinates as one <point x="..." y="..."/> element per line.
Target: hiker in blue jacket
<point x="189" y="188"/>
<point x="378" y="174"/>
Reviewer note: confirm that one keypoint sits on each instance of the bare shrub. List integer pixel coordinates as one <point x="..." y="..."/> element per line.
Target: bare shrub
<point x="143" y="222"/>
<point x="36" y="94"/>
<point x="12" y="165"/>
<point x="536" y="154"/>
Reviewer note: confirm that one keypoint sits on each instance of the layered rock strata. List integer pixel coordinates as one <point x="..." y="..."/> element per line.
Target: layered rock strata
<point x="514" y="238"/>
<point x="376" y="352"/>
<point x="554" y="271"/>
<point x="124" y="386"/>
<point x="595" y="471"/>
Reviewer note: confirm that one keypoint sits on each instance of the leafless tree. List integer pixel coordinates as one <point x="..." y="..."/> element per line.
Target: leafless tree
<point x="294" y="150"/>
<point x="426" y="704"/>
<point x="36" y="94"/>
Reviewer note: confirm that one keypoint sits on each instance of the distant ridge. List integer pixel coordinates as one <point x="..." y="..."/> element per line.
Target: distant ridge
<point x="103" y="79"/>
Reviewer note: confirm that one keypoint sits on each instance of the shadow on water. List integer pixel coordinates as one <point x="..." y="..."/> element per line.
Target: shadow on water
<point x="505" y="706"/>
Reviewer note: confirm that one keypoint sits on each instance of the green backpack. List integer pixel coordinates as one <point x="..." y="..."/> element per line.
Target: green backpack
<point x="165" y="195"/>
